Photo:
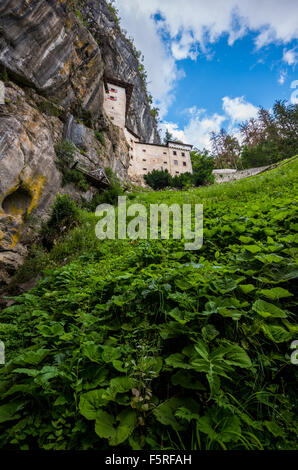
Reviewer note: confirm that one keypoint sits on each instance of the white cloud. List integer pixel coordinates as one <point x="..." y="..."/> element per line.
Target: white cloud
<point x="282" y="78"/>
<point x="290" y="56"/>
<point x="173" y="129"/>
<point x="238" y="110"/>
<point x="194" y="25"/>
<point x="199" y="128"/>
<point x="185" y="47"/>
<point x="200" y="125"/>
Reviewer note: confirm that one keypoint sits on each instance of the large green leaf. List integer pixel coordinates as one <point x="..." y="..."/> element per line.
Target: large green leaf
<point x="9" y="411"/>
<point x="177" y="361"/>
<point x="165" y="413"/>
<point x="265" y="309"/>
<point x="236" y="356"/>
<point x="32" y="358"/>
<point x="220" y="426"/>
<point x="275" y="293"/>
<point x="277" y="333"/>
<point x="106" y="426"/>
<point x="91" y="402"/>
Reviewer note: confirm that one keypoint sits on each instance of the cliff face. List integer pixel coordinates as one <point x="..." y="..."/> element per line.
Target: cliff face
<point x="121" y="63"/>
<point x="52" y="62"/>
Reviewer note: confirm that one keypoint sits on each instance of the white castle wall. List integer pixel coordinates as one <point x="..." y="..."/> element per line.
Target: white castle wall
<point x="226" y="175"/>
<point x="115" y="105"/>
<point x="145" y="157"/>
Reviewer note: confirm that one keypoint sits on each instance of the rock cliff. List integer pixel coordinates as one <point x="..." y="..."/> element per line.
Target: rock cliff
<point x="53" y="56"/>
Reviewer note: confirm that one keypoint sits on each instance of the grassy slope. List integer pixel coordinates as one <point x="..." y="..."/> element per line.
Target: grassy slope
<point x="179" y="328"/>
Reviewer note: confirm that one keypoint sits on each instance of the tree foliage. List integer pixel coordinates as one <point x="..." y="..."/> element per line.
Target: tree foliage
<point x="269" y="138"/>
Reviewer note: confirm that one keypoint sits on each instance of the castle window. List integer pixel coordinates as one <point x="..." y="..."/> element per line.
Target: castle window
<point x="177" y="172"/>
<point x="145" y="169"/>
<point x="144" y="150"/>
<point x="113" y="98"/>
<point x="175" y="162"/>
<point x="183" y="154"/>
<point x="174" y="153"/>
<point x="165" y="153"/>
<point x="165" y="163"/>
<point x="131" y="158"/>
<point x="144" y="160"/>
<point x="113" y="90"/>
<point x="184" y="163"/>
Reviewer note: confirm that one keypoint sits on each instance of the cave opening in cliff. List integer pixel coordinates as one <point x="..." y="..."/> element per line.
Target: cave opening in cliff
<point x="18" y="202"/>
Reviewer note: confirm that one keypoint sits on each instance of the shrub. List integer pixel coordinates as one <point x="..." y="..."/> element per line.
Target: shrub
<point x="65" y="150"/>
<point x="63" y="217"/>
<point x="182" y="181"/>
<point x="64" y="211"/>
<point x="48" y="108"/>
<point x="100" y="137"/>
<point x="158" y="179"/>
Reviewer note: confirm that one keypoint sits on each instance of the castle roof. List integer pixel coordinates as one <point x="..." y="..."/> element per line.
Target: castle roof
<point x="178" y="144"/>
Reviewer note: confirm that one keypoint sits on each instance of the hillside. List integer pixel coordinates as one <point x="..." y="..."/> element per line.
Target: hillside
<point x="141" y="344"/>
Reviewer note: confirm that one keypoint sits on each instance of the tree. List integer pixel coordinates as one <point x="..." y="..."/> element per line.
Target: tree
<point x="226" y="150"/>
<point x="260" y="155"/>
<point x="252" y="132"/>
<point x="168" y="136"/>
<point x="202" y="166"/>
<point x="271" y="137"/>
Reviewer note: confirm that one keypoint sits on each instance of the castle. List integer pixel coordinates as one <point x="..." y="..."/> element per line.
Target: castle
<point x="144" y="156"/>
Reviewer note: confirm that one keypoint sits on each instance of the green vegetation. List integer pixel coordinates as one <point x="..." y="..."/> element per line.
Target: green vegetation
<point x="100" y="137"/>
<point x="141" y="344"/>
<point x="3" y="73"/>
<point x="65" y="151"/>
<point x="267" y="139"/>
<point x="114" y="11"/>
<point x="64" y="216"/>
<point x="109" y="195"/>
<point x="158" y="179"/>
<point x="202" y="165"/>
<point x="48" y="108"/>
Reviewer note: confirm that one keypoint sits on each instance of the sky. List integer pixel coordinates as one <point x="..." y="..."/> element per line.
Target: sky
<point x="212" y="63"/>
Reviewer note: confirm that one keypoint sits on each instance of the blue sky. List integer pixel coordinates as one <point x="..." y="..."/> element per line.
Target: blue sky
<point x="211" y="64"/>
